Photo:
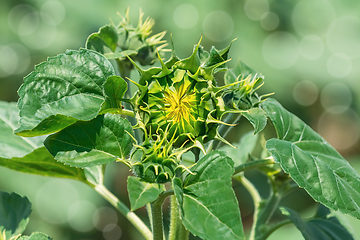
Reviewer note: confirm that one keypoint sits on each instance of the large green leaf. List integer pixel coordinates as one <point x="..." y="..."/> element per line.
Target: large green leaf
<point x="311" y="162"/>
<point x="99" y="141"/>
<point x="207" y="201"/>
<point x="322" y="227"/>
<point x="27" y="154"/>
<point x="106" y="37"/>
<point x="257" y="118"/>
<point x="41" y="162"/>
<point x="243" y="149"/>
<point x="62" y="90"/>
<point x="141" y="193"/>
<point x="12" y="145"/>
<point x="36" y="236"/>
<point x="14" y="213"/>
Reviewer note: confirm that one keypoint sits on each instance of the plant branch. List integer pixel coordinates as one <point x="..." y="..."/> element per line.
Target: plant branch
<point x="273" y="228"/>
<point x="256" y="200"/>
<point x="157" y="215"/>
<point x="131" y="216"/>
<point x="253" y="164"/>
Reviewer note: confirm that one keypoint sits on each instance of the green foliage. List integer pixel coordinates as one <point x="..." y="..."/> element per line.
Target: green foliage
<point x="62" y="90"/>
<point x="14" y="214"/>
<point x="311" y="162"/>
<point x="28" y="154"/>
<point x="36" y="236"/>
<point x="99" y="141"/>
<point x="323" y="226"/>
<point x="207" y="201"/>
<point x="257" y="118"/>
<point x="141" y="193"/>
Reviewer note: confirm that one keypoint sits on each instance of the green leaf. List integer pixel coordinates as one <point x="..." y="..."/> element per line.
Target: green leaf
<point x="257" y="118"/>
<point x="99" y="141"/>
<point x="106" y="37"/>
<point x="243" y="149"/>
<point x="62" y="90"/>
<point x="27" y="154"/>
<point x="12" y="145"/>
<point x="115" y="88"/>
<point x="95" y="174"/>
<point x="311" y="162"/>
<point x="141" y="193"/>
<point x="41" y="162"/>
<point x="36" y="236"/>
<point x="14" y="213"/>
<point x="322" y="227"/>
<point x="241" y="71"/>
<point x="207" y="201"/>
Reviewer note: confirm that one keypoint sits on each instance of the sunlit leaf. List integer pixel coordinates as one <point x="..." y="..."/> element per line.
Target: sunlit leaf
<point x="61" y="91"/>
<point x="14" y="213"/>
<point x="322" y="227"/>
<point x="257" y="118"/>
<point x="115" y="88"/>
<point x="141" y="193"/>
<point x="311" y="162"/>
<point x="207" y="201"/>
<point x="99" y="141"/>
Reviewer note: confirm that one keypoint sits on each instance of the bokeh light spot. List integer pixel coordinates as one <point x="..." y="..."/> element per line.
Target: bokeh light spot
<point x="344" y="36"/>
<point x="305" y="93"/>
<point x="186" y="16"/>
<point x="340" y="130"/>
<point x="80" y="215"/>
<point x="42" y="38"/>
<point x="54" y="9"/>
<point x="23" y="19"/>
<point x="8" y="61"/>
<point x="339" y="65"/>
<point x="336" y="98"/>
<point x="311" y="17"/>
<point x="255" y="9"/>
<point x="54" y="199"/>
<point x="280" y="50"/>
<point x="269" y="21"/>
<point x="112" y="232"/>
<point x="104" y="216"/>
<point x="311" y="47"/>
<point x="218" y="26"/>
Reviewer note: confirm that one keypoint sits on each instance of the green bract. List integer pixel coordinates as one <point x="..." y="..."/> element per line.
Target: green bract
<point x="180" y="105"/>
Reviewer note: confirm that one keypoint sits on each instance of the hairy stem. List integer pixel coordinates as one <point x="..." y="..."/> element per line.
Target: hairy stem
<point x="131" y="216"/>
<point x="177" y="230"/>
<point x="157" y="221"/>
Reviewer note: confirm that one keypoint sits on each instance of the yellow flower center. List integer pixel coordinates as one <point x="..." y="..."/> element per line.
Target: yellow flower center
<point x="179" y="105"/>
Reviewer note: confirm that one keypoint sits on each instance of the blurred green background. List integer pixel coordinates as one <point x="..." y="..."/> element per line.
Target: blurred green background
<point x="308" y="50"/>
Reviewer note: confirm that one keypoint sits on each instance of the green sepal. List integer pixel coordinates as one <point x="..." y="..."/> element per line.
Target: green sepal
<point x="257" y="118"/>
